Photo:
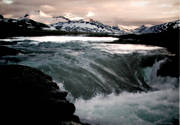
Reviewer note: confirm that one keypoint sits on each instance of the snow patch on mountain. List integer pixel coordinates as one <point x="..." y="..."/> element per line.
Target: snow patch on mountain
<point x="158" y="28"/>
<point x="127" y="29"/>
<point x="87" y="27"/>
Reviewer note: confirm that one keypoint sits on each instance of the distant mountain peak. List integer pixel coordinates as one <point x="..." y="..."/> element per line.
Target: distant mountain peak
<point x="127" y="29"/>
<point x="23" y="22"/>
<point x="87" y="26"/>
<point x="62" y="17"/>
<point x="143" y="26"/>
<point x="158" y="28"/>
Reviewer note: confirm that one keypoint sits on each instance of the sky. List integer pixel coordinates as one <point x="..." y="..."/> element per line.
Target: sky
<point x="111" y="12"/>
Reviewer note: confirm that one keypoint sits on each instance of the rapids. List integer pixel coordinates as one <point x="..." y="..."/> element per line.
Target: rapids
<point x="106" y="81"/>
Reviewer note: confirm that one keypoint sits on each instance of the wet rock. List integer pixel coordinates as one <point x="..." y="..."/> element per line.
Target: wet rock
<point x="148" y="61"/>
<point x="8" y="51"/>
<point x="170" y="67"/>
<point x="8" y="43"/>
<point x="31" y="97"/>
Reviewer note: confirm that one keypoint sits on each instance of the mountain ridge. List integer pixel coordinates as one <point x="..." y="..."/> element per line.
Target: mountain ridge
<point x="157" y="28"/>
<point x="91" y="26"/>
<point x="26" y="26"/>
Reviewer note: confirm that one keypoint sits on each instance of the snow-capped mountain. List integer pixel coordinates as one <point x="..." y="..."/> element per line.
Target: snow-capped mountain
<point x="127" y="29"/>
<point x="22" y="22"/>
<point x="90" y="26"/>
<point x="29" y="23"/>
<point x="140" y="29"/>
<point x="81" y="26"/>
<point x="158" y="28"/>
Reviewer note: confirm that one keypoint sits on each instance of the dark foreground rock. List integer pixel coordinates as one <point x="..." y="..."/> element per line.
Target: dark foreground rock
<point x="31" y="97"/>
<point x="7" y="54"/>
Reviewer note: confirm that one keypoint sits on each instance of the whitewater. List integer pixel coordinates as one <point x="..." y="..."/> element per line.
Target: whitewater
<point x="106" y="82"/>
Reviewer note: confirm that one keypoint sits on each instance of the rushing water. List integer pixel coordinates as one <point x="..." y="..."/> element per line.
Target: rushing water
<point x="106" y="81"/>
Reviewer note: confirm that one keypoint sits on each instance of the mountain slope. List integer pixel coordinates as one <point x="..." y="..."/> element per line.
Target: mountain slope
<point x="140" y="29"/>
<point x="22" y="27"/>
<point x="158" y="28"/>
<point x="22" y="23"/>
<point x="28" y="27"/>
<point x="87" y="27"/>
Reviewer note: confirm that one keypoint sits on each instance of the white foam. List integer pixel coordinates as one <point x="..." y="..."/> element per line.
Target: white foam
<point x="159" y="82"/>
<point x="62" y="39"/>
<point x="130" y="109"/>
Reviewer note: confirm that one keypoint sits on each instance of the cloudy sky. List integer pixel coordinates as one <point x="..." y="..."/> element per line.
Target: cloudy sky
<point x="112" y="12"/>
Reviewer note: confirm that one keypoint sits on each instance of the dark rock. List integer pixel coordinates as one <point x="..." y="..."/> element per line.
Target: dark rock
<point x="1" y="16"/>
<point x="8" y="43"/>
<point x="148" y="61"/>
<point x="170" y="67"/>
<point x="8" y="51"/>
<point x="26" y="15"/>
<point x="31" y="97"/>
<point x="59" y="94"/>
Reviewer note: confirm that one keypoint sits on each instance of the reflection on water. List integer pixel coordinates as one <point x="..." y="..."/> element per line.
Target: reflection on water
<point x="94" y="42"/>
<point x="60" y="39"/>
<point x="125" y="48"/>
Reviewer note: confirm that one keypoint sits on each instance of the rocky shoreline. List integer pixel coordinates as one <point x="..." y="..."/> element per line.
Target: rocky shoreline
<point x="167" y="39"/>
<point x="31" y="97"/>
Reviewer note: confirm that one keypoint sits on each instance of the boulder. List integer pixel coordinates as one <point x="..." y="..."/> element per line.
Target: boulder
<point x="31" y="97"/>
